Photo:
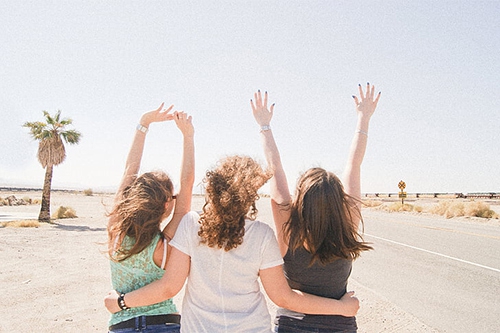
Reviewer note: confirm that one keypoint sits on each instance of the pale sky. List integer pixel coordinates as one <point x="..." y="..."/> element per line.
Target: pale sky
<point x="104" y="63"/>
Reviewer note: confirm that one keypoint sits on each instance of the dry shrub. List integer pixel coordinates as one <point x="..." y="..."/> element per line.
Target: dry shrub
<point x="64" y="213"/>
<point x="451" y="209"/>
<point x="28" y="200"/>
<point x="88" y="192"/>
<point x="371" y="203"/>
<point x="21" y="224"/>
<point x="36" y="201"/>
<point x="399" y="207"/>
<point x="479" y="209"/>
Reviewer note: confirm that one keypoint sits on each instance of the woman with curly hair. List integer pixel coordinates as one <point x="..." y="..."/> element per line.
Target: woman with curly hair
<point x="138" y="248"/>
<point x="225" y="251"/>
<point x="317" y="230"/>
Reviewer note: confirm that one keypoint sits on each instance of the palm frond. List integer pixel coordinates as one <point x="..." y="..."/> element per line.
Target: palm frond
<point x="57" y="116"/>
<point x="71" y="136"/>
<point x="48" y="118"/>
<point x="66" y="122"/>
<point x="36" y="128"/>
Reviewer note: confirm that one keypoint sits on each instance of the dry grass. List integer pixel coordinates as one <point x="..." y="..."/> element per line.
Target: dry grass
<point x="446" y="208"/>
<point x="88" y="192"/>
<point x="371" y="203"/>
<point x="399" y="207"/>
<point x="451" y="209"/>
<point x="21" y="224"/>
<point x="64" y="213"/>
<point x="28" y="200"/>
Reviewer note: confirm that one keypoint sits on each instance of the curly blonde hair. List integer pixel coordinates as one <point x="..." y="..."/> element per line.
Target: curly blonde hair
<point x="139" y="212"/>
<point x="231" y="191"/>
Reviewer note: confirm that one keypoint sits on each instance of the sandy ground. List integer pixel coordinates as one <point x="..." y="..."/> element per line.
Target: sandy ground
<point x="54" y="277"/>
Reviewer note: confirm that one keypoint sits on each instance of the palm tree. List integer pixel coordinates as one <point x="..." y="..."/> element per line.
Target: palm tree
<point x="50" y="135"/>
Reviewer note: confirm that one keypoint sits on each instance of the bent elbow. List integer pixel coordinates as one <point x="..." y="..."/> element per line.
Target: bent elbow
<point x="281" y="301"/>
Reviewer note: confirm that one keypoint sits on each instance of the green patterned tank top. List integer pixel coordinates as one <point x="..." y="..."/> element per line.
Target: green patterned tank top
<point x="134" y="273"/>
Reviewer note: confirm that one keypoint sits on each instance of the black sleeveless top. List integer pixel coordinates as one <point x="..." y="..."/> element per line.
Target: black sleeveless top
<point x="328" y="280"/>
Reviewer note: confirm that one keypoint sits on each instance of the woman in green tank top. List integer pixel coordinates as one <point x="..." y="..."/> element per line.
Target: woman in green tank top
<point x="137" y="245"/>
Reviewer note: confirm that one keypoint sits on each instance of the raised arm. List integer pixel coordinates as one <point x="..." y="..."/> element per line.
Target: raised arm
<point x="168" y="286"/>
<point x="134" y="157"/>
<point x="280" y="193"/>
<point x="183" y="201"/>
<point x="279" y="292"/>
<point x="365" y="106"/>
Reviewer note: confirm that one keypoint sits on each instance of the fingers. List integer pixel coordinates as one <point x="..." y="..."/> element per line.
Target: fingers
<point x="370" y="94"/>
<point x="182" y="117"/>
<point x="356" y="101"/>
<point x="376" y="99"/>
<point x="361" y="92"/>
<point x="179" y="115"/>
<point x="161" y="107"/>
<point x="258" y="99"/>
<point x="168" y="109"/>
<point x="258" y="102"/>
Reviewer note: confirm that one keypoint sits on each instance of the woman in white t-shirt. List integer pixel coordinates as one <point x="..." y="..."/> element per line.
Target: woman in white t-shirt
<point x="224" y="252"/>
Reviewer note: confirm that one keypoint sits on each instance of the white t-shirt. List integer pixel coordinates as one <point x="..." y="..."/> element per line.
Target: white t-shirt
<point x="223" y="292"/>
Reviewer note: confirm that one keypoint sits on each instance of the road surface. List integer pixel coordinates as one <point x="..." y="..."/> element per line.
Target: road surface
<point x="445" y="272"/>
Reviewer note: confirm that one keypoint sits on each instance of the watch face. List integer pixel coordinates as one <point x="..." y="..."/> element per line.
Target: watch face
<point x="141" y="128"/>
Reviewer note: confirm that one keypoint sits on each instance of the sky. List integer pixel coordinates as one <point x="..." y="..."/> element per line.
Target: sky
<point x="104" y="63"/>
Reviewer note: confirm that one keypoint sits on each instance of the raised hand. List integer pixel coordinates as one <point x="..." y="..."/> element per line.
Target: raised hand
<point x="259" y="107"/>
<point x="366" y="104"/>
<point x="184" y="123"/>
<point x="157" y="115"/>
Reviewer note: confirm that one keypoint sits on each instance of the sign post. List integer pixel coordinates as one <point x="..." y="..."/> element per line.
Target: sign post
<point x="402" y="193"/>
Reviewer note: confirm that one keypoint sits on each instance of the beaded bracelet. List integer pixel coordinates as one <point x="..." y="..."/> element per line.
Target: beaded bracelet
<point x="121" y="302"/>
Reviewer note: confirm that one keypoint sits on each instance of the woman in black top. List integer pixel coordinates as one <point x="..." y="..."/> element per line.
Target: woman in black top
<point x="317" y="230"/>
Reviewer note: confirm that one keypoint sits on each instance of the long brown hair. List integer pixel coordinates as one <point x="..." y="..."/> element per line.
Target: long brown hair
<point x="139" y="212"/>
<point x="322" y="219"/>
<point x="231" y="191"/>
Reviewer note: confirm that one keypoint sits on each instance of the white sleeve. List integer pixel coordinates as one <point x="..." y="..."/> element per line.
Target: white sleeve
<point x="270" y="255"/>
<point x="183" y="237"/>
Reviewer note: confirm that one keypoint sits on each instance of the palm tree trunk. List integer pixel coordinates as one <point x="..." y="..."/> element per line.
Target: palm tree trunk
<point x="45" y="208"/>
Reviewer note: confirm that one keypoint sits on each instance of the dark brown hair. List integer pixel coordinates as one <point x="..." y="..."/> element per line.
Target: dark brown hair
<point x="323" y="219"/>
<point x="231" y="191"/>
<point x="139" y="212"/>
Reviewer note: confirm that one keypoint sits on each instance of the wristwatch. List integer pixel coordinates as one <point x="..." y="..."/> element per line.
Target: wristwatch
<point x="141" y="128"/>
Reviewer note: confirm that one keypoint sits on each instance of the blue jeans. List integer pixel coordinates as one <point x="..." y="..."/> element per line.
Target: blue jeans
<point x="140" y="326"/>
<point x="291" y="325"/>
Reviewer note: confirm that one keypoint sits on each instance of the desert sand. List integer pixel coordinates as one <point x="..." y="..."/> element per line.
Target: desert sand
<point x="54" y="277"/>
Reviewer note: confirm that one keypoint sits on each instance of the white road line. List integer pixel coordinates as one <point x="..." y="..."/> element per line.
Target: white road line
<point x="436" y="253"/>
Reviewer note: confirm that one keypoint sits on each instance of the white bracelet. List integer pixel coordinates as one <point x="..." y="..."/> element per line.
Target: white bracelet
<point x="141" y="128"/>
<point x="362" y="132"/>
<point x="265" y="128"/>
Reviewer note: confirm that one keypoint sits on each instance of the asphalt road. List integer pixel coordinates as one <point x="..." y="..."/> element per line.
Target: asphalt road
<point x="445" y="272"/>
